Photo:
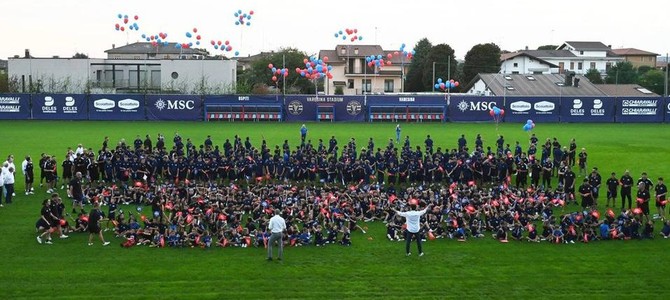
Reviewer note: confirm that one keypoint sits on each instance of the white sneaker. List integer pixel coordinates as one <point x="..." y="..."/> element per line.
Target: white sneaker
<point x="26" y="193"/>
<point x="31" y="192"/>
<point x="572" y="242"/>
<point x="39" y="239"/>
<point x="90" y="244"/>
<point x="32" y="189"/>
<point x="62" y="236"/>
<point x="13" y="194"/>
<point x="106" y="243"/>
<point x="408" y="254"/>
<point x="420" y="254"/>
<point x="48" y="242"/>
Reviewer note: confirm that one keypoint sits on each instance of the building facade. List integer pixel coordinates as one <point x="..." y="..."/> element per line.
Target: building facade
<point x="637" y="57"/>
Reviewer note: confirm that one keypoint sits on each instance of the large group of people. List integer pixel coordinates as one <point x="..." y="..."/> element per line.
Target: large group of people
<point x="203" y="195"/>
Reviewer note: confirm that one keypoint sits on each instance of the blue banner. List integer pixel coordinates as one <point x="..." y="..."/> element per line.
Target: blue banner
<point x="242" y="99"/>
<point x="640" y="110"/>
<point x="59" y="107"/>
<point x="406" y="100"/>
<point x="304" y="108"/>
<point x="472" y="108"/>
<point x="587" y="109"/>
<point x="538" y="109"/>
<point x="116" y="107"/>
<point x="14" y="106"/>
<point x="667" y="109"/>
<point x="174" y="107"/>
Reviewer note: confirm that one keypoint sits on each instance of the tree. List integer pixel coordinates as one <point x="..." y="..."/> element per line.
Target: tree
<point x="653" y="81"/>
<point x="414" y="81"/>
<point x="547" y="47"/>
<point x="260" y="74"/>
<point x="4" y="83"/>
<point x="443" y="56"/>
<point x="594" y="76"/>
<point x="79" y="55"/>
<point x="621" y="73"/>
<point x="482" y="58"/>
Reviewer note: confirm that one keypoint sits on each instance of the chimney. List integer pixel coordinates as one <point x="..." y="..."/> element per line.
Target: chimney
<point x="27" y="53"/>
<point x="113" y="46"/>
<point x="609" y="46"/>
<point x="568" y="78"/>
<point x="526" y="48"/>
<point x="576" y="82"/>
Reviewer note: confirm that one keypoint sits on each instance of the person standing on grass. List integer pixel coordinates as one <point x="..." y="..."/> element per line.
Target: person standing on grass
<point x="94" y="218"/>
<point x="612" y="186"/>
<point x="47" y="222"/>
<point x="412" y="219"/>
<point x="586" y="191"/>
<point x="8" y="181"/>
<point x="626" y="184"/>
<point x="277" y="226"/>
<point x="29" y="174"/>
<point x="643" y="196"/>
<point x="661" y="192"/>
<point x="582" y="162"/>
<point x="397" y="133"/>
<point x="303" y="133"/>
<point x="76" y="192"/>
<point x="10" y="164"/>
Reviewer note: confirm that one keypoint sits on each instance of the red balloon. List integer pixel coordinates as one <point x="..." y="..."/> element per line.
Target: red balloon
<point x="395" y="53"/>
<point x="227" y="42"/>
<point x="456" y="83"/>
<point x="325" y="58"/>
<point x="502" y="112"/>
<point x="270" y="66"/>
<point x="117" y="25"/>
<point x="389" y="56"/>
<point x="274" y="78"/>
<point x="286" y="73"/>
<point x="151" y="37"/>
<point x="491" y="113"/>
<point x="125" y="21"/>
<point x="197" y="37"/>
<point x="195" y="30"/>
<point x="297" y="70"/>
<point x="218" y="43"/>
<point x="63" y="222"/>
<point x="213" y="43"/>
<point x="136" y="17"/>
<point x="355" y="30"/>
<point x="352" y="39"/>
<point x="122" y="28"/>
<point x="389" y="63"/>
<point x="251" y="12"/>
<point x="330" y="76"/>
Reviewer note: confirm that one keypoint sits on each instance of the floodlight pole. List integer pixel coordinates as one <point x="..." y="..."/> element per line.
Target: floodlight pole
<point x="434" y="77"/>
<point x="667" y="64"/>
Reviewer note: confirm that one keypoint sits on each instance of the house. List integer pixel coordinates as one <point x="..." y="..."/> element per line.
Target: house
<point x="3" y="67"/>
<point x="625" y="90"/>
<point x="142" y="50"/>
<point x="352" y="73"/>
<point x="244" y="63"/>
<point x="637" y="57"/>
<point x="116" y="75"/>
<point x="531" y="85"/>
<point x="572" y="56"/>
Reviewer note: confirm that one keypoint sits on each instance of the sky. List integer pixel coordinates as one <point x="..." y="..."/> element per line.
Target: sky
<point x="65" y="27"/>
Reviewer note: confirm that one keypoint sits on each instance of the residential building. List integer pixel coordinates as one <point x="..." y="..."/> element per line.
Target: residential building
<point x="142" y="50"/>
<point x="245" y="63"/>
<point x="637" y="57"/>
<point x="531" y="85"/>
<point x="572" y="56"/>
<point x="352" y="73"/>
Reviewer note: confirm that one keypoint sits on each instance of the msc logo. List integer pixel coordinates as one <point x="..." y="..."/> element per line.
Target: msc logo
<point x="161" y="104"/>
<point x="475" y="106"/>
<point x="295" y="107"/>
<point x="354" y="107"/>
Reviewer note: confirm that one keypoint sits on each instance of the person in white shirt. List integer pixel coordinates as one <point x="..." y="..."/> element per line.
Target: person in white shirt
<point x="8" y="181"/>
<point x="80" y="149"/>
<point x="412" y="218"/>
<point x="2" y="183"/>
<point x="277" y="226"/>
<point x="10" y="164"/>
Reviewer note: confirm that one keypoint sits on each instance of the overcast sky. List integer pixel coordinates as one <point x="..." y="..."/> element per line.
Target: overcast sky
<point x="63" y="27"/>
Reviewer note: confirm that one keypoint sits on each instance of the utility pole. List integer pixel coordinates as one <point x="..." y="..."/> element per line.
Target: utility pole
<point x="433" y="84"/>
<point x="667" y="64"/>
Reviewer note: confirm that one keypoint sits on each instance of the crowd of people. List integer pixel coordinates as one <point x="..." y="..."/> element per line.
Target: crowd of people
<point x="206" y="196"/>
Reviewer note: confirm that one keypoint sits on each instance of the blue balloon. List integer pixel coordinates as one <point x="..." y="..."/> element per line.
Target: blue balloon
<point x="125" y="16"/>
<point x="529" y="122"/>
<point x="237" y="23"/>
<point x="344" y="37"/>
<point x="439" y="80"/>
<point x="330" y="68"/>
<point x="248" y="23"/>
<point x="307" y="65"/>
<point x="165" y="43"/>
<point x="120" y="16"/>
<point x="367" y="59"/>
<point x="239" y="11"/>
<point x="188" y="35"/>
<point x="379" y="56"/>
<point x="360" y="38"/>
<point x="340" y="32"/>
<point x="190" y="44"/>
<point x="302" y="73"/>
<point x="237" y="15"/>
<point x="249" y="17"/>
<point x="237" y="53"/>
<point x="139" y="208"/>
<point x="196" y="42"/>
<point x="413" y="52"/>
<point x="437" y="85"/>
<point x="158" y="40"/>
<point x="148" y="39"/>
<point x="274" y="70"/>
<point x="402" y="46"/>
<point x="319" y="68"/>
<point x="216" y="46"/>
<point x="337" y="35"/>
<point x="310" y="69"/>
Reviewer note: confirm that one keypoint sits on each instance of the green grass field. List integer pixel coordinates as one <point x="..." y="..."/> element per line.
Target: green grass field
<point x="375" y="268"/>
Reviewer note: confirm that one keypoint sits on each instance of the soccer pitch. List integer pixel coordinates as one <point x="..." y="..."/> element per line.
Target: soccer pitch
<point x="370" y="268"/>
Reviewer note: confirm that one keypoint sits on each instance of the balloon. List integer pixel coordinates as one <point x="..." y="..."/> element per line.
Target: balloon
<point x="122" y="29"/>
<point x="251" y="12"/>
<point x="237" y="23"/>
<point x="197" y="37"/>
<point x="529" y="121"/>
<point x="439" y="80"/>
<point x="120" y="16"/>
<point x="456" y="84"/>
<point x="274" y="78"/>
<point x="360" y="38"/>
<point x="195" y="30"/>
<point x="219" y="43"/>
<point x="491" y="113"/>
<point x="216" y="46"/>
<point x="196" y="42"/>
<point x="227" y="43"/>
<point x="437" y="85"/>
<point x="248" y="23"/>
<point x="237" y="53"/>
<point x="502" y="112"/>
<point x="125" y="21"/>
<point x="188" y="35"/>
<point x="270" y="66"/>
<point x="144" y="36"/>
<point x="136" y="17"/>
<point x="442" y="85"/>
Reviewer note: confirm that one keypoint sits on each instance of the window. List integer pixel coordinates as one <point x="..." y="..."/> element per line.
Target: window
<point x="515" y="72"/>
<point x="516" y="65"/>
<point x="581" y="52"/>
<point x="537" y="72"/>
<point x="593" y="65"/>
<point x="366" y="85"/>
<point x="561" y="67"/>
<point x="608" y="66"/>
<point x="350" y="83"/>
<point x="580" y="65"/>
<point x="572" y="65"/>
<point x="174" y="75"/>
<point x="507" y="77"/>
<point x="388" y="85"/>
<point x="530" y="78"/>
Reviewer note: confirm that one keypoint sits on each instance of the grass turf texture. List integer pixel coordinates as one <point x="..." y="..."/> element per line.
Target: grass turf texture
<point x="374" y="268"/>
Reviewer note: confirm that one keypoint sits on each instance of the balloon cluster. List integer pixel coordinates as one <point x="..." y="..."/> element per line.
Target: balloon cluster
<point x="158" y="39"/>
<point x="194" y="34"/>
<point x="350" y="34"/>
<point x="528" y="126"/>
<point x="446" y="85"/>
<point x="243" y="18"/>
<point x="315" y="68"/>
<point x="497" y="114"/>
<point x="378" y="60"/>
<point x="125" y="21"/>
<point x="277" y="72"/>
<point x="405" y="53"/>
<point x="224" y="46"/>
